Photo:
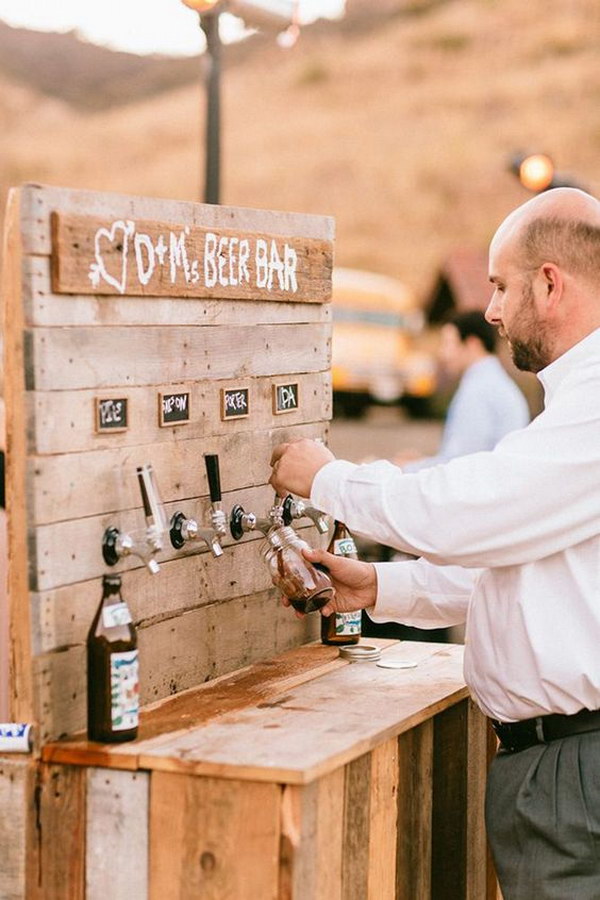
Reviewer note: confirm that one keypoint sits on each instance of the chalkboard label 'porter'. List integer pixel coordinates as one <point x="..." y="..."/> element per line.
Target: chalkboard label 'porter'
<point x="235" y="403"/>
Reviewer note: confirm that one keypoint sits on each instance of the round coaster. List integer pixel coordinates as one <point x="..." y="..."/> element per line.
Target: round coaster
<point x="360" y="653"/>
<point x="396" y="664"/>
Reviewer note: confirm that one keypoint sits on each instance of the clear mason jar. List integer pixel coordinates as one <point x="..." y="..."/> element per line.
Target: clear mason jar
<point x="308" y="587"/>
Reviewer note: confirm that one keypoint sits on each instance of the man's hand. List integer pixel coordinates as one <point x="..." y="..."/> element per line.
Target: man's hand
<point x="296" y="464"/>
<point x="355" y="582"/>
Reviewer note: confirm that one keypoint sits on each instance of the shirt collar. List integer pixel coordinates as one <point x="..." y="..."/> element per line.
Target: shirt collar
<point x="558" y="370"/>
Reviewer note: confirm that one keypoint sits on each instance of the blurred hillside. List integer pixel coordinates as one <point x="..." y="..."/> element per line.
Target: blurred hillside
<point x="398" y="121"/>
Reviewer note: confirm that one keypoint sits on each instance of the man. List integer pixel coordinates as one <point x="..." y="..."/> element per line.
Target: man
<point x="487" y="404"/>
<point x="510" y="541"/>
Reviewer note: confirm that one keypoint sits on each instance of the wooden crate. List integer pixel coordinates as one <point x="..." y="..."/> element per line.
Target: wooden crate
<point x="305" y="779"/>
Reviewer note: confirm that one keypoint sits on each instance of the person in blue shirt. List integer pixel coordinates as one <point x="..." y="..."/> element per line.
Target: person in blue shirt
<point x="487" y="404"/>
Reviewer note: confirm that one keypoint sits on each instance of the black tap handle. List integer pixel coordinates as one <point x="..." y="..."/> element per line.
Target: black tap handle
<point x="144" y="492"/>
<point x="214" y="479"/>
<point x="287" y="509"/>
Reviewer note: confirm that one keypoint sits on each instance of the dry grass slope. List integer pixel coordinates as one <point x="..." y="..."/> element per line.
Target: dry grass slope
<point x="401" y="130"/>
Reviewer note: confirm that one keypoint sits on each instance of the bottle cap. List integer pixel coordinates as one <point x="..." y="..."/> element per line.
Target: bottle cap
<point x="360" y="653"/>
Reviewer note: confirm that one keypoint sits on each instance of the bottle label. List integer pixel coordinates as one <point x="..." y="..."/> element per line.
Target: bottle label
<point x="344" y="547"/>
<point x="348" y="623"/>
<point x="15" y="737"/>
<point x="124" y="690"/>
<point x="116" y="614"/>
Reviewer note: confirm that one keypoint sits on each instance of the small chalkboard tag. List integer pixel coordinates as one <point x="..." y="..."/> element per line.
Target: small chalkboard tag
<point x="173" y="409"/>
<point x="111" y="414"/>
<point x="285" y="397"/>
<point x="235" y="403"/>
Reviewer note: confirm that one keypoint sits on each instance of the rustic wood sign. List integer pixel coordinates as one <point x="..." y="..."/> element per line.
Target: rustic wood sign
<point x="285" y="397"/>
<point x="235" y="403"/>
<point x="110" y="414"/>
<point x="173" y="409"/>
<point x="144" y="258"/>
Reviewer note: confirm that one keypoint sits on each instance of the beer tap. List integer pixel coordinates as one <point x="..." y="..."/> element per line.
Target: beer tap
<point x="183" y="529"/>
<point x="116" y="544"/>
<point x="296" y="509"/>
<point x="241" y="522"/>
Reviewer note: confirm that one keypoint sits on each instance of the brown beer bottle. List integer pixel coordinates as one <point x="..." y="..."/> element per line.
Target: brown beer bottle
<point x="113" y="679"/>
<point x="341" y="628"/>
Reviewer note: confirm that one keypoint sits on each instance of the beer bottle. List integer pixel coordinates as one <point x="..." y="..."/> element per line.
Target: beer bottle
<point x="112" y="657"/>
<point x="341" y="628"/>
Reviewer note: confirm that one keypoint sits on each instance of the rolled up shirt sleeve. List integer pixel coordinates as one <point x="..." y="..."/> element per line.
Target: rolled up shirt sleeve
<point x="423" y="595"/>
<point x="536" y="493"/>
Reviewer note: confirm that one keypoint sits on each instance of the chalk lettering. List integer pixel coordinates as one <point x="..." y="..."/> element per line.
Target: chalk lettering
<point x="210" y="266"/>
<point x="262" y="263"/>
<point x="144" y="271"/>
<point x="290" y="261"/>
<point x="178" y="256"/>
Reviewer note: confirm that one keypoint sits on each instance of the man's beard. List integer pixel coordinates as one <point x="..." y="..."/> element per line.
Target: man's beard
<point x="531" y="349"/>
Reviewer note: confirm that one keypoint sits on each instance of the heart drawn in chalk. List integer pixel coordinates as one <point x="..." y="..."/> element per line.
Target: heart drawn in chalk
<point x="118" y="242"/>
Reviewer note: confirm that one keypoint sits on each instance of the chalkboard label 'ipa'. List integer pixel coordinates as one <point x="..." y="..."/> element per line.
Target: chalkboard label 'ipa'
<point x="113" y="676"/>
<point x="341" y="628"/>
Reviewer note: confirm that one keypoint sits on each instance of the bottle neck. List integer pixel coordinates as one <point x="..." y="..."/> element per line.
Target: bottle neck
<point x="111" y="591"/>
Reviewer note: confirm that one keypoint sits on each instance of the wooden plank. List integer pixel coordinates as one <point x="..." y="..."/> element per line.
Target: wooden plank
<point x="68" y="552"/>
<point x="40" y="200"/>
<point x="476" y="766"/>
<point x="175" y="654"/>
<point x="415" y="782"/>
<point x="117" y="835"/>
<point x="61" y="810"/>
<point x="16" y="791"/>
<point x="310" y="856"/>
<point x="21" y="697"/>
<point x="72" y="409"/>
<point x="42" y="307"/>
<point x="449" y="818"/>
<point x="62" y="617"/>
<point x="492" y="887"/>
<point x="357" y="811"/>
<point x="118" y="357"/>
<point x="261" y="683"/>
<point x="383" y="821"/>
<point x="66" y="486"/>
<point x="146" y="258"/>
<point x="213" y="839"/>
<point x="278" y="744"/>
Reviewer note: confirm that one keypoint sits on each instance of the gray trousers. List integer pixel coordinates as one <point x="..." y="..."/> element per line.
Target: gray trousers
<point x="543" y="820"/>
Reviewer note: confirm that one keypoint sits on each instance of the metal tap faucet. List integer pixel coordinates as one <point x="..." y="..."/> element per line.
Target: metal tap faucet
<point x="296" y="509"/>
<point x="117" y="545"/>
<point x="241" y="522"/>
<point x="183" y="529"/>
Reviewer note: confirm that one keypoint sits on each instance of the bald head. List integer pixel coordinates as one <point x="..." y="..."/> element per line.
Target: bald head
<point x="561" y="226"/>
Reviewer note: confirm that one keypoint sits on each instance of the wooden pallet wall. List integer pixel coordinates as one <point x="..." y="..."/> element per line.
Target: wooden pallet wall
<point x="112" y="297"/>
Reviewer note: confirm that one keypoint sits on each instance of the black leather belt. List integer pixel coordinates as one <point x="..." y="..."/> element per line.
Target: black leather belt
<point x="515" y="736"/>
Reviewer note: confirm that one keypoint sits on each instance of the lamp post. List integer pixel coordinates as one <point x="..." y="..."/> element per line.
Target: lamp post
<point x="209" y="11"/>
<point x="536" y="172"/>
<point x="255" y="13"/>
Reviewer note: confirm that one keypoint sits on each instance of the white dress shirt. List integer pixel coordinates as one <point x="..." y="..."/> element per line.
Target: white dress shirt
<point x="510" y="541"/>
<point x="486" y="406"/>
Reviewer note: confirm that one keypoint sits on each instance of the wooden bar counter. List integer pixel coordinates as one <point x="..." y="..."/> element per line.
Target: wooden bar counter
<point x="304" y="776"/>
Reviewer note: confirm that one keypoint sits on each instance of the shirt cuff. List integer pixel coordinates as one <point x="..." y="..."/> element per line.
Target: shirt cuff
<point x="395" y="587"/>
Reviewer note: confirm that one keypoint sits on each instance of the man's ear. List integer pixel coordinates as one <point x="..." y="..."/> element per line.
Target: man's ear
<point x="553" y="283"/>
